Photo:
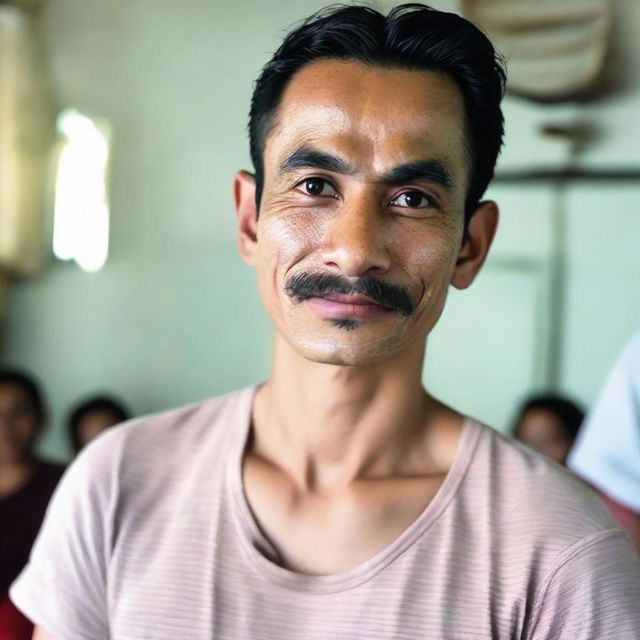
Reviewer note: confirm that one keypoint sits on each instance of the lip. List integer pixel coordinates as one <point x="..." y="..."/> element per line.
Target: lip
<point x="341" y="306"/>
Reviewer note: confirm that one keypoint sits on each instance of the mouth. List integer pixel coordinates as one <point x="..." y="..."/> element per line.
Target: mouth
<point x="336" y="298"/>
<point x="336" y="306"/>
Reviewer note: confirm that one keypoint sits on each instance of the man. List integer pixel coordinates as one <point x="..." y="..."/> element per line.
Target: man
<point x="26" y="484"/>
<point x="338" y="499"/>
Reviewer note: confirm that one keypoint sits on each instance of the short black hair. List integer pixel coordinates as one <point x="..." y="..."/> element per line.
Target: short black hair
<point x="570" y="415"/>
<point x="413" y="37"/>
<point x="31" y="388"/>
<point x="90" y="405"/>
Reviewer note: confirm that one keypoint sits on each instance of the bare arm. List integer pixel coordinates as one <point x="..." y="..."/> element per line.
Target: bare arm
<point x="40" y="634"/>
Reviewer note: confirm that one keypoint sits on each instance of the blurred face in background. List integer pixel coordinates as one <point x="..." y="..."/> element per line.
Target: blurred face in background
<point x="94" y="423"/>
<point x="542" y="430"/>
<point x="20" y="424"/>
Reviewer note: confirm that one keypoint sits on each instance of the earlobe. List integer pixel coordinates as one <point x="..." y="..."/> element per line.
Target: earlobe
<point x="480" y="234"/>
<point x="244" y="196"/>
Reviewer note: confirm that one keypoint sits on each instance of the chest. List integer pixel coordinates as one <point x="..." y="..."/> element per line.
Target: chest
<point x="333" y="532"/>
<point x="184" y="582"/>
<point x="186" y="564"/>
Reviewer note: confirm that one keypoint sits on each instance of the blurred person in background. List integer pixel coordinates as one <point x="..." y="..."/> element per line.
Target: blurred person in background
<point x="607" y="451"/>
<point x="549" y="424"/>
<point x="93" y="416"/>
<point x="26" y="484"/>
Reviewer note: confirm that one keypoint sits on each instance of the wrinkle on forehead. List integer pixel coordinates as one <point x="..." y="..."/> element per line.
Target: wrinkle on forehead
<point x="381" y="117"/>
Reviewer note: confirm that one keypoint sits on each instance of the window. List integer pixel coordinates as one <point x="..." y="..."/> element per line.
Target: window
<point x="81" y="215"/>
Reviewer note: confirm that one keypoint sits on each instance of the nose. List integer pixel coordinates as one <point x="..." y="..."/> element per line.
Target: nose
<point x="356" y="240"/>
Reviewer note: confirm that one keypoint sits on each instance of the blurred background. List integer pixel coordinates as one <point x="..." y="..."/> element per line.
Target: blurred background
<point x="122" y="123"/>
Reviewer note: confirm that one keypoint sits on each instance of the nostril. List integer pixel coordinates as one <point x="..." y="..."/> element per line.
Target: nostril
<point x="356" y="242"/>
<point x="357" y="263"/>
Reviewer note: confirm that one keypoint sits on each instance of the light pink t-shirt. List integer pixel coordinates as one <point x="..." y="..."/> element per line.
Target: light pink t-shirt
<point x="150" y="536"/>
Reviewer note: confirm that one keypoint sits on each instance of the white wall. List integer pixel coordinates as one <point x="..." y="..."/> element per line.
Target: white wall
<point x="571" y="347"/>
<point x="174" y="316"/>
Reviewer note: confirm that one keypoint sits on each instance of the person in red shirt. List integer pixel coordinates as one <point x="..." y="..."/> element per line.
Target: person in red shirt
<point x="26" y="484"/>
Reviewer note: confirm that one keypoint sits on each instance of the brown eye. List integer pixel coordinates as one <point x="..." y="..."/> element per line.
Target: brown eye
<point x="412" y="200"/>
<point x="317" y="187"/>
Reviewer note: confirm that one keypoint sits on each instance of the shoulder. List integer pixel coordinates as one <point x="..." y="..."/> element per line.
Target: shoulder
<point x="546" y="529"/>
<point x="543" y="501"/>
<point x="158" y="446"/>
<point x="607" y="450"/>
<point x="623" y="379"/>
<point x="591" y="592"/>
<point x="174" y="430"/>
<point x="631" y="351"/>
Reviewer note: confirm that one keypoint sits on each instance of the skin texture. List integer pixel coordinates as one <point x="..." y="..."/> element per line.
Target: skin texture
<point x="541" y="430"/>
<point x="357" y="233"/>
<point x="345" y="440"/>
<point x="19" y="427"/>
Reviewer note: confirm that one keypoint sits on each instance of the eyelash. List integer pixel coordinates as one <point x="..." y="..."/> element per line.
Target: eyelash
<point x="316" y="179"/>
<point x="431" y="203"/>
<point x="430" y="200"/>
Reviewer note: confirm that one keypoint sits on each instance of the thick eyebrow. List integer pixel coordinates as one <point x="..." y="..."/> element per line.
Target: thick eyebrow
<point x="307" y="157"/>
<point x="432" y="170"/>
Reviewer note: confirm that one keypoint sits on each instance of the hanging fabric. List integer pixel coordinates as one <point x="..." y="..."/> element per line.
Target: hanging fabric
<point x="554" y="50"/>
<point x="26" y="134"/>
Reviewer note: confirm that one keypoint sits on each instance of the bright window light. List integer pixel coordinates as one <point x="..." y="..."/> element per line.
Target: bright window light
<point x="81" y="215"/>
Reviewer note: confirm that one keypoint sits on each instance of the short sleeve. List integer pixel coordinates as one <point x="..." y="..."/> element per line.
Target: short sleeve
<point x="593" y="594"/>
<point x="63" y="588"/>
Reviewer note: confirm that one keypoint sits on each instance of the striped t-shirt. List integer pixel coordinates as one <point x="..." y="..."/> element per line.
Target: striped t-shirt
<point x="150" y="536"/>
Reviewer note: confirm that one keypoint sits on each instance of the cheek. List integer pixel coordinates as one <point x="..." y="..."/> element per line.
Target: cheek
<point x="433" y="260"/>
<point x="25" y="430"/>
<point x="284" y="240"/>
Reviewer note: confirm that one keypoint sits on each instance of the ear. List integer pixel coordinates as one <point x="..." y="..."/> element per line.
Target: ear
<point x="244" y="196"/>
<point x="480" y="233"/>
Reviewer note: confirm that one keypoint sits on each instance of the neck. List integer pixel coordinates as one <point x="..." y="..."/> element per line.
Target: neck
<point x="329" y="425"/>
<point x="14" y="474"/>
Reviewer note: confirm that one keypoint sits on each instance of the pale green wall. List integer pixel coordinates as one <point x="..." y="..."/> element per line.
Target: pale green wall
<point x="174" y="316"/>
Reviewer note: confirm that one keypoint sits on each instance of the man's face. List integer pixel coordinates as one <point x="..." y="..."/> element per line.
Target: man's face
<point x="361" y="219"/>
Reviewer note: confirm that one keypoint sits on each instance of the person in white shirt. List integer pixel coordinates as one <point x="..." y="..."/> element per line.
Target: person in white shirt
<point x="607" y="451"/>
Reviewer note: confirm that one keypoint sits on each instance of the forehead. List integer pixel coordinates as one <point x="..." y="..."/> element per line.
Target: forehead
<point x="540" y="419"/>
<point x="99" y="413"/>
<point x="379" y="116"/>
<point x="12" y="393"/>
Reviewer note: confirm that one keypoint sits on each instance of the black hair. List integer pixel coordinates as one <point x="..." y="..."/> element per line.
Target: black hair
<point x="570" y="415"/>
<point x="29" y="386"/>
<point x="90" y="405"/>
<point x="413" y="37"/>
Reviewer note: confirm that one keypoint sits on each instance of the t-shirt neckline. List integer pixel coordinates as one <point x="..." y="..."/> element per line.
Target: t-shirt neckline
<point x="252" y="538"/>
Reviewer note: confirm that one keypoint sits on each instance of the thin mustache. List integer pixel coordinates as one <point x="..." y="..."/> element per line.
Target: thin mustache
<point x="303" y="286"/>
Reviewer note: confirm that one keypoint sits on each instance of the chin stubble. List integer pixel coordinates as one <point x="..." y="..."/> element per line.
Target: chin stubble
<point x="345" y="323"/>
